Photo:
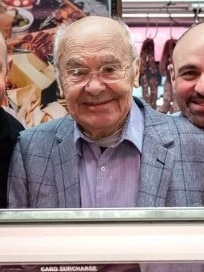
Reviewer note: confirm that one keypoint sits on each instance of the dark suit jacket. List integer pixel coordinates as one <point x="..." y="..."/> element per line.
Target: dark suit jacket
<point x="44" y="170"/>
<point x="9" y="130"/>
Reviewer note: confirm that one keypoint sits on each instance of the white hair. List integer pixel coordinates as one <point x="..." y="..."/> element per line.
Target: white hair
<point x="65" y="27"/>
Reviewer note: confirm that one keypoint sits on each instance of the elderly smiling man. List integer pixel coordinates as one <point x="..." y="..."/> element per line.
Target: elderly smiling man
<point x="112" y="150"/>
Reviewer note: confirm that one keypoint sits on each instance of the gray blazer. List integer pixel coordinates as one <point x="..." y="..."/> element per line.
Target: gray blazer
<point x="44" y="168"/>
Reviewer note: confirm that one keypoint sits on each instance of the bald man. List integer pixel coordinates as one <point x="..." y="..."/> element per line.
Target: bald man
<point x="9" y="127"/>
<point x="112" y="150"/>
<point x="187" y="74"/>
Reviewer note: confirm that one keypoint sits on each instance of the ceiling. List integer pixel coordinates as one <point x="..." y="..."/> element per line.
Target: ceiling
<point x="164" y="13"/>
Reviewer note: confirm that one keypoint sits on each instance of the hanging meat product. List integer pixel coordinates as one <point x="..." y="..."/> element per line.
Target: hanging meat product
<point x="169" y="103"/>
<point x="148" y="73"/>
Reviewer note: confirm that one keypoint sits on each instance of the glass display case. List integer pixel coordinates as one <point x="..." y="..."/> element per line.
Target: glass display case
<point x="102" y="240"/>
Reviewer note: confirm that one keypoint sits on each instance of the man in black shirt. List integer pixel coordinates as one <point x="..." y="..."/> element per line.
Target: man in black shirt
<point x="9" y="127"/>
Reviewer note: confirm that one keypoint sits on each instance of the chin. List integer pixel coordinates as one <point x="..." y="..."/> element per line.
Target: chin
<point x="199" y="122"/>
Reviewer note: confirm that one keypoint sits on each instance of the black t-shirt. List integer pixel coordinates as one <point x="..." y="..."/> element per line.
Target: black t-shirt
<point x="9" y="131"/>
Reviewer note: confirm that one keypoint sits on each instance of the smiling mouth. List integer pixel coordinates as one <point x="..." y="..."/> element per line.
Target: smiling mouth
<point x="197" y="106"/>
<point x="199" y="103"/>
<point x="97" y="103"/>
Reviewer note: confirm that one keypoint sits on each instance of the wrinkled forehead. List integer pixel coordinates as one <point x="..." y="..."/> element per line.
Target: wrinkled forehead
<point x="95" y="24"/>
<point x="97" y="32"/>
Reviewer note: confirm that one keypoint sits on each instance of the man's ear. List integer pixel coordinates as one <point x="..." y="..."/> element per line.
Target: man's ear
<point x="170" y="67"/>
<point x="137" y="73"/>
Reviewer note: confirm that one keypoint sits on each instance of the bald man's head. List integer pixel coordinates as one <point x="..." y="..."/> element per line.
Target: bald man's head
<point x="187" y="74"/>
<point x="193" y="35"/>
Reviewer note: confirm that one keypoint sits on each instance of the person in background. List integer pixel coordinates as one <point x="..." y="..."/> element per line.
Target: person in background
<point x="187" y="74"/>
<point x="9" y="127"/>
<point x="113" y="150"/>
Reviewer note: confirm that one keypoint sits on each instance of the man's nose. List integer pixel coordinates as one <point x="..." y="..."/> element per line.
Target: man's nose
<point x="95" y="84"/>
<point x="200" y="85"/>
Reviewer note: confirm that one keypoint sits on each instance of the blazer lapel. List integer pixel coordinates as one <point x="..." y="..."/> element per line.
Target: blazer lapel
<point x="157" y="160"/>
<point x="65" y="161"/>
<point x="157" y="163"/>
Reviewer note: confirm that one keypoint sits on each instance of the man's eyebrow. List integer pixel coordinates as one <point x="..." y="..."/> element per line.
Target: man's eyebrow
<point x="74" y="62"/>
<point x="187" y="67"/>
<point x="109" y="59"/>
<point x="77" y="62"/>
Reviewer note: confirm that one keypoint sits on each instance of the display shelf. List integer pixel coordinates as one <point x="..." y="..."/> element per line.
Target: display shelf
<point x="108" y="235"/>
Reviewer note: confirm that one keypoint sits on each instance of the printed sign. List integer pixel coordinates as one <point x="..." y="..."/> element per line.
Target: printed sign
<point x="129" y="267"/>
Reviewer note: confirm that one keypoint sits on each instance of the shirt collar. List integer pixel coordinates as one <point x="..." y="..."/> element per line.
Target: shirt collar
<point x="134" y="127"/>
<point x="132" y="131"/>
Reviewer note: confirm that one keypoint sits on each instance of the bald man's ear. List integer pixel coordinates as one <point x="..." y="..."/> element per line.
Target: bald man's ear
<point x="172" y="75"/>
<point x="137" y="72"/>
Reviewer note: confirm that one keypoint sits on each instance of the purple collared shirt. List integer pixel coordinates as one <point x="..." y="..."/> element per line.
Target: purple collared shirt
<point x="111" y="179"/>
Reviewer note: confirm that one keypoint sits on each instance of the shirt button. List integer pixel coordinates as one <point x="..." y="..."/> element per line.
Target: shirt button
<point x="103" y="169"/>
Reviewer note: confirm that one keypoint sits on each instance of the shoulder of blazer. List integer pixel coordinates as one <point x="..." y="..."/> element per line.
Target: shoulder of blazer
<point x="166" y="128"/>
<point x="151" y="116"/>
<point x="184" y="126"/>
<point x="157" y="126"/>
<point x="48" y="134"/>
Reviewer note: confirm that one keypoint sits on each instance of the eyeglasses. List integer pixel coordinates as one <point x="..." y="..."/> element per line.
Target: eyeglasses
<point x="109" y="73"/>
